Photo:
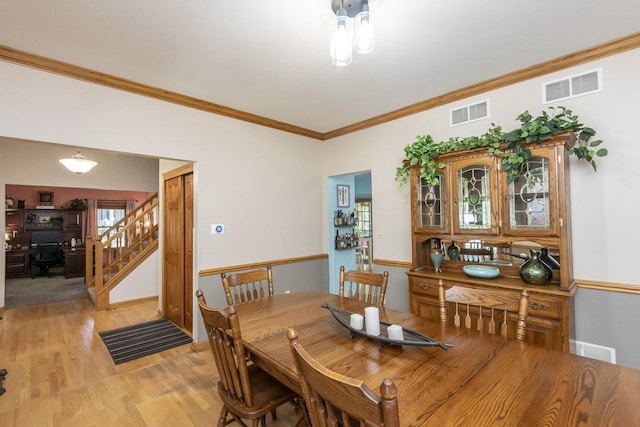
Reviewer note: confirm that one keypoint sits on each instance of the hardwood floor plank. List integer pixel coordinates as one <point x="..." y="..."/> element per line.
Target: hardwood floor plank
<point x="60" y="373"/>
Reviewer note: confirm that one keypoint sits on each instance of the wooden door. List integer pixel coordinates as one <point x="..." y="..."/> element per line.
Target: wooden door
<point x="177" y="269"/>
<point x="188" y="252"/>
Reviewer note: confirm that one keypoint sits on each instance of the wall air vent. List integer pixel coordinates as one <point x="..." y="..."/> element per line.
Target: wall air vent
<point x="469" y="113"/>
<point x="570" y="87"/>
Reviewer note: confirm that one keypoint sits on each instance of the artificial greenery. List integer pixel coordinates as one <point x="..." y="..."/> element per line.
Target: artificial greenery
<point x="510" y="146"/>
<point x="76" y="204"/>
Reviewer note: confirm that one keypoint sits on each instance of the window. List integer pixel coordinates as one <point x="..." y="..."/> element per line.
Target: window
<point x="109" y="213"/>
<point x="364" y="228"/>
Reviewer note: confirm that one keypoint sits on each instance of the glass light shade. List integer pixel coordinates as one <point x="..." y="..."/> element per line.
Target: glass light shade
<point x="341" y="46"/>
<point x="364" y="39"/>
<point x="78" y="163"/>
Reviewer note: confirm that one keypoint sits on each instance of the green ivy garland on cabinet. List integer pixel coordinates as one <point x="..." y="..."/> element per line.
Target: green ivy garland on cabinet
<point x="510" y="146"/>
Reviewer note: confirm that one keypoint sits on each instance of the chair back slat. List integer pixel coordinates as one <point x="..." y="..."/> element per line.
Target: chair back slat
<point x="333" y="399"/>
<point x="368" y="287"/>
<point x="247" y="286"/>
<point x="487" y="303"/>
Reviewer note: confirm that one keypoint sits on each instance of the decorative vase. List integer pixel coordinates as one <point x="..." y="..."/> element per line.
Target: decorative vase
<point x="453" y="251"/>
<point x="534" y="271"/>
<point x="20" y="204"/>
<point x="437" y="256"/>
<point x="548" y="259"/>
<point x="8" y="202"/>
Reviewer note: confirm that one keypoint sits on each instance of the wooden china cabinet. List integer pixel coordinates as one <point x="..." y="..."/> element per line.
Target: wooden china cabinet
<point x="497" y="223"/>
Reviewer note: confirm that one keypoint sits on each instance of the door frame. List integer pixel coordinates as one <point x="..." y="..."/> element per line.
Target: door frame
<point x="180" y="171"/>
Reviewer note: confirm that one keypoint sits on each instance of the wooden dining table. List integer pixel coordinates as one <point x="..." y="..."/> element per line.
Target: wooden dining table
<point x="482" y="380"/>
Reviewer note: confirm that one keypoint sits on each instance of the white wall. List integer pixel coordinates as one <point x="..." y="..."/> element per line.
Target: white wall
<point x="141" y="283"/>
<point x="603" y="204"/>
<point x="259" y="182"/>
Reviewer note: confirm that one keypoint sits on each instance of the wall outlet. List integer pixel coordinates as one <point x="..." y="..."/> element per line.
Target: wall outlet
<point x="217" y="228"/>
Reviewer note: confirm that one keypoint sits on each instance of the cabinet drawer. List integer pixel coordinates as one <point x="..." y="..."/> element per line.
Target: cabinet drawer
<point x="544" y="307"/>
<point x="424" y="287"/>
<point x="16" y="257"/>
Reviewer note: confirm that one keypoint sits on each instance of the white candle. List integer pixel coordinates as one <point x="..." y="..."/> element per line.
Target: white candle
<point x="394" y="332"/>
<point x="372" y="320"/>
<point x="357" y="321"/>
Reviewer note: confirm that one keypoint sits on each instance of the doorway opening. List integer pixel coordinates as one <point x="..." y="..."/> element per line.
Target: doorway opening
<point x="350" y="219"/>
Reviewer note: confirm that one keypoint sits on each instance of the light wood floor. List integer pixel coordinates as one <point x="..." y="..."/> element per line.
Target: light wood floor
<point x="61" y="374"/>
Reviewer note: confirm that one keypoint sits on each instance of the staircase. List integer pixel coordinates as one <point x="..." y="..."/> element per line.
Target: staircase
<point x="120" y="249"/>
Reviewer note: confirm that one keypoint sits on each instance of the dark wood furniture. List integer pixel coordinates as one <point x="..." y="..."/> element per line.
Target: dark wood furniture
<point x="247" y="286"/>
<point x="28" y="227"/>
<point x="246" y="391"/>
<point x="73" y="222"/>
<point x="74" y="261"/>
<point x="492" y="220"/>
<point x="364" y="286"/>
<point x="334" y="399"/>
<point x="14" y="220"/>
<point x="17" y="263"/>
<point x="485" y="378"/>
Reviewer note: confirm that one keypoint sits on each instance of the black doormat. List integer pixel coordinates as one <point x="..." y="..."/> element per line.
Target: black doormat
<point x="143" y="339"/>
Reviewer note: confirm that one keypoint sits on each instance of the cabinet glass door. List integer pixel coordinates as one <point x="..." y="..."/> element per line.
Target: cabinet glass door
<point x="431" y="204"/>
<point x="475" y="188"/>
<point x="531" y="200"/>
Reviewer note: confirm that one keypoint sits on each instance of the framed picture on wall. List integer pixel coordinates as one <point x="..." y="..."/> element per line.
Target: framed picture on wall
<point x="45" y="198"/>
<point x="343" y="196"/>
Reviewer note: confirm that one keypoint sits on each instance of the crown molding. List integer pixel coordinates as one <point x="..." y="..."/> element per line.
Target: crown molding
<point x="603" y="50"/>
<point x="42" y="63"/>
<point x="593" y="53"/>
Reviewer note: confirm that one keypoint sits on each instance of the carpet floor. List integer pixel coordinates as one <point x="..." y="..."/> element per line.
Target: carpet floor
<point x="133" y="342"/>
<point x="42" y="290"/>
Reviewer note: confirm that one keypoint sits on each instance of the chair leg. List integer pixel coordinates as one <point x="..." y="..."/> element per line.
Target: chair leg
<point x="274" y="416"/>
<point x="222" y="419"/>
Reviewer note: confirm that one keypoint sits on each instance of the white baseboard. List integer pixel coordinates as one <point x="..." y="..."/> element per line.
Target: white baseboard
<point x="593" y="351"/>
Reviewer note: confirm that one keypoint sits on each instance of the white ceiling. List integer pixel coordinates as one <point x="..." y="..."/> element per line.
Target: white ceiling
<point x="271" y="58"/>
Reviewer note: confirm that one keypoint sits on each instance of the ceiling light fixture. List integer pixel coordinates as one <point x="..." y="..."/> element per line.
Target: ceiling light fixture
<point x="78" y="163"/>
<point x="347" y="35"/>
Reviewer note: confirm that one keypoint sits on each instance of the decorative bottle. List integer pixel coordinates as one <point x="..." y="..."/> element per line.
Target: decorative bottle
<point x="534" y="271"/>
<point x="548" y="259"/>
<point x="437" y="255"/>
<point x="453" y="251"/>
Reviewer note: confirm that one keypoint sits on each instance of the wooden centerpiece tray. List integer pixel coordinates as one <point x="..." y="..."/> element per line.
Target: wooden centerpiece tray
<point x="410" y="337"/>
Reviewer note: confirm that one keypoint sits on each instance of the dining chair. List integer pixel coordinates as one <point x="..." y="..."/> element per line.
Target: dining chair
<point x="333" y="399"/>
<point x="484" y="306"/>
<point x="364" y="286"/>
<point x="247" y="392"/>
<point x="247" y="286"/>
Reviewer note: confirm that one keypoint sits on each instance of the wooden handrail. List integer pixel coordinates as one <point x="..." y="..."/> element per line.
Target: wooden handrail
<point x="126" y="243"/>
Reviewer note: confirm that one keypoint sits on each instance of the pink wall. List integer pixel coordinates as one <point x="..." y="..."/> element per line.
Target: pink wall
<point x="61" y="195"/>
